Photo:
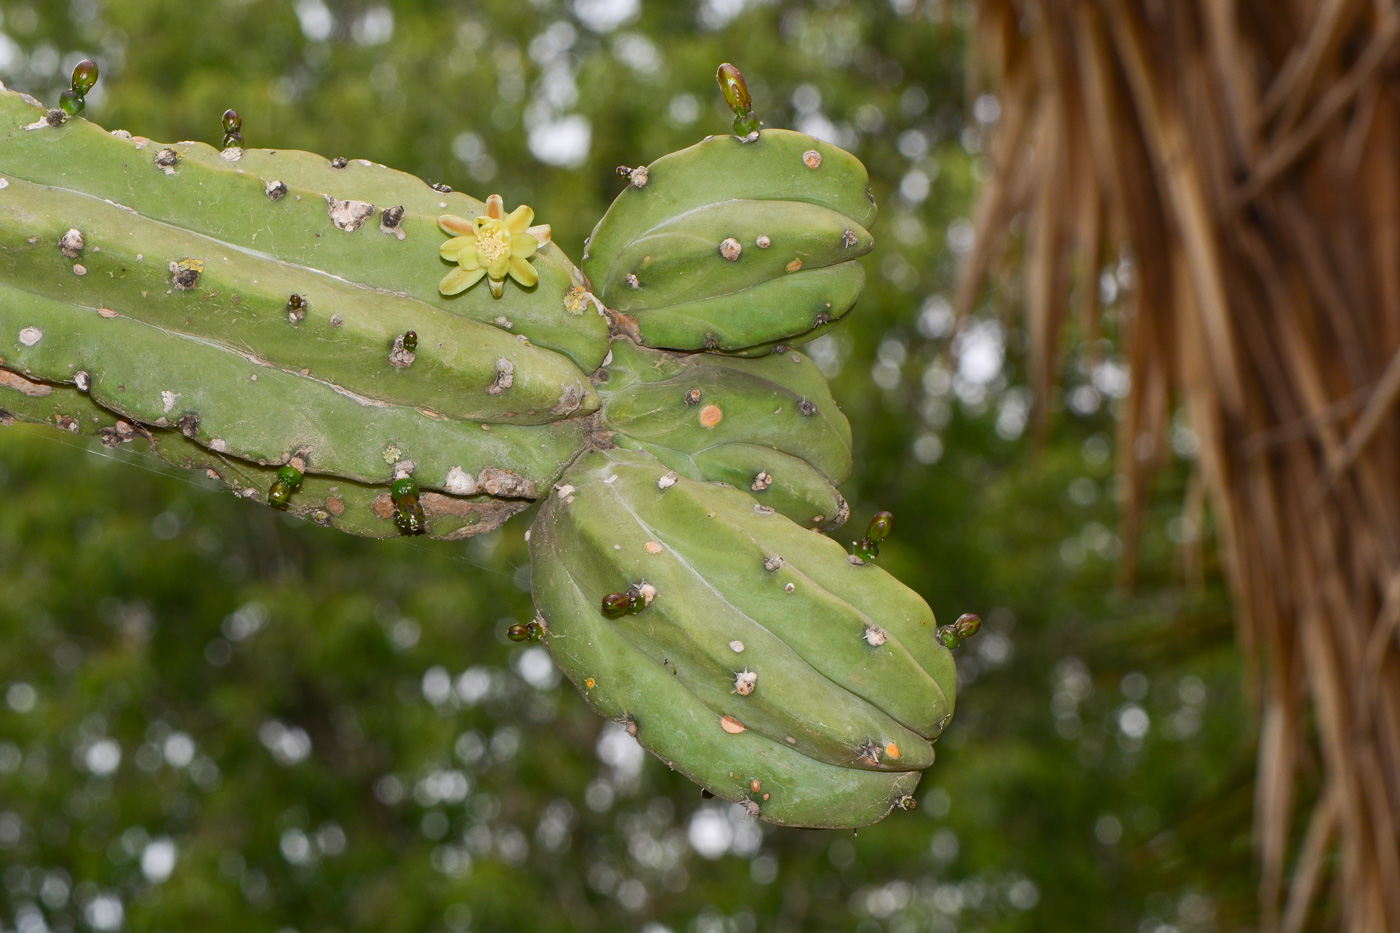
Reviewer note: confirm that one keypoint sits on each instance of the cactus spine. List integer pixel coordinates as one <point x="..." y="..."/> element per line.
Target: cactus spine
<point x="352" y="345"/>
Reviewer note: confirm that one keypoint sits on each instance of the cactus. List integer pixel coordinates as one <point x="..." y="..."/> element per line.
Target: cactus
<point x="385" y="357"/>
<point x="755" y="627"/>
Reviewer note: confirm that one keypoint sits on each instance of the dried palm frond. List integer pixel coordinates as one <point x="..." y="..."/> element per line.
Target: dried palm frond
<point x="1246" y="154"/>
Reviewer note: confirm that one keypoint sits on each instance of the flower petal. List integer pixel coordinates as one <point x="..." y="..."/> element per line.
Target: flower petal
<point x="523" y="245"/>
<point x="459" y="280"/>
<point x="454" y="225"/>
<point x="469" y="259"/>
<point x="450" y="248"/>
<point x="497" y="287"/>
<point x="494" y="204"/>
<point x="523" y="272"/>
<point x="520" y="218"/>
<point x="541" y="232"/>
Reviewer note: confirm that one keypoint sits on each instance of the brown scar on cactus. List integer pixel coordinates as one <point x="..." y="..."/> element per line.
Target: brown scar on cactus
<point x="165" y="160"/>
<point x="731" y="725"/>
<point x="731" y="249"/>
<point x="761" y="481"/>
<point x="22" y="385"/>
<point x="275" y="190"/>
<point x="185" y="273"/>
<point x="505" y="377"/>
<point x="744" y="682"/>
<point x="391" y="221"/>
<point x="812" y="159"/>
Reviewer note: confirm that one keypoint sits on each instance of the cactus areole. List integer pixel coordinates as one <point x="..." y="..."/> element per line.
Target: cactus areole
<point x="314" y="333"/>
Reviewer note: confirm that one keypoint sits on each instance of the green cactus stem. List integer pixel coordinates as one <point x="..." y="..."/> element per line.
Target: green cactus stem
<point x="734" y="246"/>
<point x="824" y="692"/>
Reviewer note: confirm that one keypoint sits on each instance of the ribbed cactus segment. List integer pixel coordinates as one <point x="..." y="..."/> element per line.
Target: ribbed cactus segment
<point x="347" y="506"/>
<point x="845" y="667"/>
<point x="356" y="220"/>
<point x="232" y="404"/>
<point x="342" y="333"/>
<point x="767" y="425"/>
<point x="729" y="244"/>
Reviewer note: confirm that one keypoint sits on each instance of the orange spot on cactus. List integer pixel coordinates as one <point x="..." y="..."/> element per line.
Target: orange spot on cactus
<point x="731" y="725"/>
<point x="710" y="415"/>
<point x="794" y="265"/>
<point x="892" y="750"/>
<point x="590" y="683"/>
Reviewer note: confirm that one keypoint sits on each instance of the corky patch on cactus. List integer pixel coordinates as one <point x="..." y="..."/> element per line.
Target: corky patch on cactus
<point x="817" y="701"/>
<point x="492" y="246"/>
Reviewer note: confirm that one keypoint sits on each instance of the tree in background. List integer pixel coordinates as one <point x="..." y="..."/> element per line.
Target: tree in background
<point x="1242" y="158"/>
<point x="215" y="716"/>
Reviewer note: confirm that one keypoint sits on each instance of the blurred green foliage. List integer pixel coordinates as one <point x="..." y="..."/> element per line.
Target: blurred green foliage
<point x="215" y="717"/>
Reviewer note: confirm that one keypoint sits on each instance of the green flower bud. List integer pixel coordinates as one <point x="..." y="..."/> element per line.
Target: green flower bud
<point x="84" y="77"/>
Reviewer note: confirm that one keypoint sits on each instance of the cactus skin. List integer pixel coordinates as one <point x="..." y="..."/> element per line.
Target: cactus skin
<point x="826" y="693"/>
<point x="228" y="201"/>
<point x="678" y="259"/>
<point x="354" y="508"/>
<point x="650" y="402"/>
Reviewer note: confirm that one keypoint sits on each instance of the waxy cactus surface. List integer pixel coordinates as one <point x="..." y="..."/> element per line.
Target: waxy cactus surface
<point x="849" y="682"/>
<point x="385" y="357"/>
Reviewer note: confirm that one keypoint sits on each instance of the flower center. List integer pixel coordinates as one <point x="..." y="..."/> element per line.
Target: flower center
<point x="492" y="241"/>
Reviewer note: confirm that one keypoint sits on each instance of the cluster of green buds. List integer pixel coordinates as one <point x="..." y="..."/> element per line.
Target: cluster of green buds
<point x="233" y="129"/>
<point x="530" y="631"/>
<point x="288" y="481"/>
<point x="628" y="603"/>
<point x="408" y="510"/>
<point x="868" y="548"/>
<point x="965" y="626"/>
<point x="736" y="95"/>
<point x="72" y="101"/>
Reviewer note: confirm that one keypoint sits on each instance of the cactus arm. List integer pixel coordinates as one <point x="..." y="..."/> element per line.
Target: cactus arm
<point x="162" y="378"/>
<point x="789" y="485"/>
<point x="781" y="785"/>
<point x="779" y="401"/>
<point x="240" y="300"/>
<point x="729" y="245"/>
<point x="712" y="588"/>
<point x="680" y="260"/>
<point x="227" y="199"/>
<point x="330" y="501"/>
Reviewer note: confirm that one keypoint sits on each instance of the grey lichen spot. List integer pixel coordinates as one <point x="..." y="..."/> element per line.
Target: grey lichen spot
<point x="82" y="380"/>
<point x="570" y="399"/>
<point x="30" y="336"/>
<point x="219" y="445"/>
<point x="337" y="319"/>
<point x="849" y="238"/>
<point x="441" y="188"/>
<point x="79" y="269"/>
<point x="167" y="399"/>
<point x="762" y="509"/>
<point x="461" y="483"/>
<point x="751" y="138"/>
<point x="504" y="322"/>
<point x="400" y="357"/>
<point x="505" y="377"/>
<point x="166" y="159"/>
<point x="4" y="183"/>
<point x="506" y="484"/>
<point x="121" y="134"/>
<point x="736" y="646"/>
<point x="762" y="481"/>
<point x="275" y="190"/>
<point x="731" y="249"/>
<point x="875" y="636"/>
<point x="744" y="682"/>
<point x="773" y="564"/>
<point x="763" y="241"/>
<point x="391" y="220"/>
<point x="339" y="162"/>
<point x="632" y="280"/>
<point x="790" y="588"/>
<point x="71" y="243"/>
<point x="232" y="154"/>
<point x="667" y="480"/>
<point x="812" y="159"/>
<point x="348" y="215"/>
<point x="693" y="397"/>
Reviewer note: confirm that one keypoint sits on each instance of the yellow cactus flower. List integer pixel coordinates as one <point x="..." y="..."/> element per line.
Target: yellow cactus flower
<point x="491" y="247"/>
